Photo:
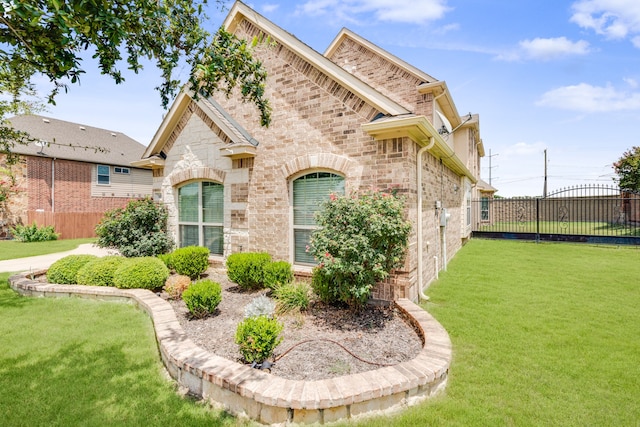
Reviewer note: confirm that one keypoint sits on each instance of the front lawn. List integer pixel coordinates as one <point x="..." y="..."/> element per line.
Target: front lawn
<point x="11" y="249"/>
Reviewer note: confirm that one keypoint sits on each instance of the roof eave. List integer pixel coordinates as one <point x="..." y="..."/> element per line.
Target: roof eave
<point x="441" y="94"/>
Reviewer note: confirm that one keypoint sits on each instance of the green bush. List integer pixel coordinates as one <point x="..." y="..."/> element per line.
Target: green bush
<point x="176" y="285"/>
<point x="247" y="268"/>
<point x="277" y="273"/>
<point x="202" y="297"/>
<point x="292" y="296"/>
<point x="31" y="233"/>
<point x="190" y="261"/>
<point x="142" y="272"/>
<point x="65" y="270"/>
<point x="138" y="230"/>
<point x="99" y="272"/>
<point x="258" y="337"/>
<point x="166" y="258"/>
<point x="360" y="240"/>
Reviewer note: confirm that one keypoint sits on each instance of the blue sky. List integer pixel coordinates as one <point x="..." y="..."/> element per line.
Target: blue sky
<point x="557" y="75"/>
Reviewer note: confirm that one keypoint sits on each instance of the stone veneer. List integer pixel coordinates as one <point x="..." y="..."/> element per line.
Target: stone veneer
<point x="267" y="398"/>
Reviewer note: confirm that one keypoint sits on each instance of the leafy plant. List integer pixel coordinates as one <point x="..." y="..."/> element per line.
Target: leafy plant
<point x="33" y="233"/>
<point x="202" y="298"/>
<point x="628" y="170"/>
<point x="276" y="273"/>
<point x="260" y="306"/>
<point x="65" y="270"/>
<point x="99" y="272"/>
<point x="176" y="285"/>
<point x="141" y="272"/>
<point x="361" y="239"/>
<point x="166" y="258"/>
<point x="257" y="337"/>
<point x="292" y="296"/>
<point x="247" y="268"/>
<point x="190" y="261"/>
<point x="138" y="230"/>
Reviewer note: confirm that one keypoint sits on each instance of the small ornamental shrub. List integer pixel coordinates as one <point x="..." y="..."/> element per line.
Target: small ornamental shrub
<point x="65" y="270"/>
<point x="190" y="261"/>
<point x="277" y="273"/>
<point x="31" y="233"/>
<point x="138" y="230"/>
<point x="166" y="258"/>
<point x="292" y="296"/>
<point x="99" y="272"/>
<point x="142" y="272"/>
<point x="202" y="297"/>
<point x="260" y="306"/>
<point x="247" y="268"/>
<point x="360" y="240"/>
<point x="176" y="285"/>
<point x="257" y="337"/>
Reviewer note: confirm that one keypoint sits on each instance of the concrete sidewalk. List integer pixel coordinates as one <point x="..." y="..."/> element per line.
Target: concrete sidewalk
<point x="44" y="261"/>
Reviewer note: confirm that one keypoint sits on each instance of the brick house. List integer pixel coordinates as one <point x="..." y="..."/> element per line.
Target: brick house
<point x="59" y="183"/>
<point x="355" y="118"/>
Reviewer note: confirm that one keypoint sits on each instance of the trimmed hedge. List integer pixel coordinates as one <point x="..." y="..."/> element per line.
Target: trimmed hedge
<point x="142" y="272"/>
<point x="99" y="272"/>
<point x="190" y="261"/>
<point x="202" y="298"/>
<point x="65" y="270"/>
<point x="277" y="273"/>
<point x="247" y="268"/>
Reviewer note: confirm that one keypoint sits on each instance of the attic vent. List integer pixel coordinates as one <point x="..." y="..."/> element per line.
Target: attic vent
<point x="113" y="134"/>
<point x="83" y="128"/>
<point x="45" y="120"/>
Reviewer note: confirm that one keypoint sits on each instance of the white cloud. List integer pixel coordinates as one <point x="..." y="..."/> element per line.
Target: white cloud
<point x="269" y="7"/>
<point x="631" y="82"/>
<point x="523" y="149"/>
<point x="545" y="49"/>
<point x="586" y="98"/>
<point x="614" y="19"/>
<point x="636" y="41"/>
<point x="417" y="12"/>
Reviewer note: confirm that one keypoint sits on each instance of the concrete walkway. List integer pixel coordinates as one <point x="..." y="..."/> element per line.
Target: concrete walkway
<point x="44" y="261"/>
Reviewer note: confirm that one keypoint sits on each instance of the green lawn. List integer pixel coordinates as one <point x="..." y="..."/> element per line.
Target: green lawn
<point x="544" y="334"/>
<point x="11" y="249"/>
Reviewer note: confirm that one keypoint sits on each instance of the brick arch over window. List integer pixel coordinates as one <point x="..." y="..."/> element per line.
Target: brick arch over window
<point x="350" y="169"/>
<point x="200" y="174"/>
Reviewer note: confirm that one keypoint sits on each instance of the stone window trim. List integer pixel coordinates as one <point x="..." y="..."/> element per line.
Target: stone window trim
<point x="203" y="225"/>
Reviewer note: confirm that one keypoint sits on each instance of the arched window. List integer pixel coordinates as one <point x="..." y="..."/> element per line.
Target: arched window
<point x="200" y="215"/>
<point x="309" y="191"/>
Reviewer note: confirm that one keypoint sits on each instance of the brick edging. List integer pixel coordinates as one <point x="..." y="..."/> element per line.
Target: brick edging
<point x="267" y="398"/>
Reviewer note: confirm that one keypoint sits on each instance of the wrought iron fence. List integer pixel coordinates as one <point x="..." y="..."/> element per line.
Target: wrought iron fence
<point x="585" y="213"/>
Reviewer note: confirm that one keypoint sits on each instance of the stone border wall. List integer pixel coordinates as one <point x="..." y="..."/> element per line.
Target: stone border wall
<point x="267" y="398"/>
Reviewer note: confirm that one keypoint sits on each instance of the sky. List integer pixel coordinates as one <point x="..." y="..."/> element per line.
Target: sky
<point x="560" y="76"/>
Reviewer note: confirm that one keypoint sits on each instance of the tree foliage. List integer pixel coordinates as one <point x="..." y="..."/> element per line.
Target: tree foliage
<point x="628" y="170"/>
<point x="50" y="37"/>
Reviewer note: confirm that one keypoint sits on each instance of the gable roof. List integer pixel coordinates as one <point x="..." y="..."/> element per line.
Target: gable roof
<point x="66" y="139"/>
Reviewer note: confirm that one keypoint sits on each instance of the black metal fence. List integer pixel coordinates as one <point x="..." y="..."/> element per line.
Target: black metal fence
<point x="596" y="214"/>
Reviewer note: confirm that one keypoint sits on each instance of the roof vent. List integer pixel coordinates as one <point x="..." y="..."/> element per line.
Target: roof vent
<point x="83" y="128"/>
<point x="46" y="120"/>
<point x="114" y="134"/>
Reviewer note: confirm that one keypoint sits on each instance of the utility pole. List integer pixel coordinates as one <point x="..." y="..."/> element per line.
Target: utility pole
<point x="490" y="167"/>
<point x="544" y="190"/>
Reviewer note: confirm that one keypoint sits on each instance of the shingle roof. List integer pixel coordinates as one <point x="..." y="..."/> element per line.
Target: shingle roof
<point x="66" y="138"/>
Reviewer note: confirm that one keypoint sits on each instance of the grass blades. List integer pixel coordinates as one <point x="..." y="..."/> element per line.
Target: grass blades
<point x="11" y="249"/>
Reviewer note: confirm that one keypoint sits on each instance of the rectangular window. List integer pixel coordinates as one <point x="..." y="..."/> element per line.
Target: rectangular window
<point x="484" y="209"/>
<point x="201" y="215"/>
<point x="104" y="176"/>
<point x="118" y="169"/>
<point x="468" y="203"/>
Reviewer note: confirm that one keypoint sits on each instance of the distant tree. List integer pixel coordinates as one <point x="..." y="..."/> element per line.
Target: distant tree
<point x="628" y="170"/>
<point x="49" y="38"/>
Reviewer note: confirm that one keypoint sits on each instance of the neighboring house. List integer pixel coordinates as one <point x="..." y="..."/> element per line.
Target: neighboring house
<point x="355" y="118"/>
<point x="60" y="182"/>
<point x="485" y="193"/>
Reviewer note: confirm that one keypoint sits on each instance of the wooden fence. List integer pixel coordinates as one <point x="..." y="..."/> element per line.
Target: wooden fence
<point x="70" y="225"/>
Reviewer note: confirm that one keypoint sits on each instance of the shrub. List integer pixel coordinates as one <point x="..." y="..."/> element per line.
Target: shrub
<point x="31" y="233"/>
<point x="176" y="285"/>
<point x="99" y="272"/>
<point x="141" y="272"/>
<point x="65" y="270"/>
<point x="361" y="239"/>
<point x="260" y="306"/>
<point x="166" y="258"/>
<point x="202" y="297"/>
<point x="258" y="337"/>
<point x="138" y="230"/>
<point x="277" y="273"/>
<point x="247" y="268"/>
<point x="292" y="296"/>
<point x="190" y="261"/>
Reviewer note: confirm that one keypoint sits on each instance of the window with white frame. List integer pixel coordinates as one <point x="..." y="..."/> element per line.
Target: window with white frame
<point x="118" y="169"/>
<point x="467" y="196"/>
<point x="309" y="191"/>
<point x="104" y="175"/>
<point x="484" y="209"/>
<point x="200" y="215"/>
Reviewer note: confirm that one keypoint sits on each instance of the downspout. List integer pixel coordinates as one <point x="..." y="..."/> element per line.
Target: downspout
<point x="419" y="219"/>
<point x="53" y="184"/>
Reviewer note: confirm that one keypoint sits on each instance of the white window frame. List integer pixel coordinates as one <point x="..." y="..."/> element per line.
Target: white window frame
<point x="200" y="223"/>
<point x="121" y="170"/>
<point x="98" y="175"/>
